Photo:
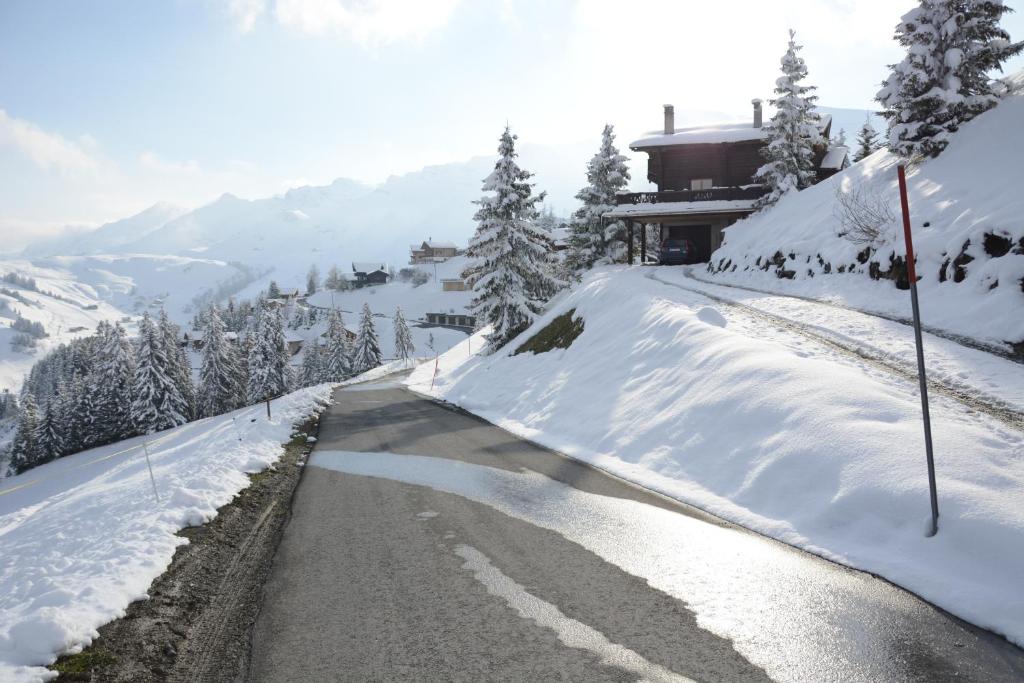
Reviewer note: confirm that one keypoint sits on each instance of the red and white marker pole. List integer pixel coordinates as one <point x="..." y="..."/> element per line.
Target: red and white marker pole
<point x="922" y="379"/>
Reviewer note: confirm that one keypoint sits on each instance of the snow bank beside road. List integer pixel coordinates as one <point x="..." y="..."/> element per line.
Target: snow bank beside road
<point x="772" y="431"/>
<point x="82" y="537"/>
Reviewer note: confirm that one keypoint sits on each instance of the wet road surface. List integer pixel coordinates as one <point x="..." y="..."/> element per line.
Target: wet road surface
<point x="426" y="544"/>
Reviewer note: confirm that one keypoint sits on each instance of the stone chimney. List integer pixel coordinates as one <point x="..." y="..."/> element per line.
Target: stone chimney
<point x="670" y="119"/>
<point x="757" y="113"/>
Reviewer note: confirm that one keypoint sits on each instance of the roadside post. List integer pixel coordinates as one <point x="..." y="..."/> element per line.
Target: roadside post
<point x="152" y="479"/>
<point x="922" y="379"/>
<point x="268" y="408"/>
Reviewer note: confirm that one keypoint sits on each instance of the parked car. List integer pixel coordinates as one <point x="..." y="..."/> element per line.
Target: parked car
<point x="677" y="252"/>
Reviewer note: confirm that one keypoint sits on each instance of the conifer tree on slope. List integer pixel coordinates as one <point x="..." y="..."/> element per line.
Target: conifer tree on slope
<point x="337" y="352"/>
<point x="85" y="426"/>
<point x="591" y="240"/>
<point x="49" y="436"/>
<point x="367" y="353"/>
<point x="268" y="358"/>
<point x="508" y="253"/>
<point x="179" y="368"/>
<point x="113" y="372"/>
<point x="25" y="449"/>
<point x="792" y="133"/>
<point x="312" y="370"/>
<point x="867" y="141"/>
<point x="219" y="386"/>
<point x="312" y="280"/>
<point x="404" y="348"/>
<point x="944" y="81"/>
<point x="156" y="400"/>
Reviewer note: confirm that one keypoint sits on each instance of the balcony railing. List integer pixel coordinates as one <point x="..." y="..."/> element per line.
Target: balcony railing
<point x="726" y="194"/>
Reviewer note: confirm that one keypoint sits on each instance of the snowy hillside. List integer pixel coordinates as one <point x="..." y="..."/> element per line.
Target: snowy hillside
<point x="775" y="430"/>
<point x="968" y="218"/>
<point x="416" y="302"/>
<point x="82" y="536"/>
<point x="76" y="292"/>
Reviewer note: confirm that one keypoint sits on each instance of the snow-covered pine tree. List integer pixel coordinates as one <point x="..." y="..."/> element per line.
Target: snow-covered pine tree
<point x="867" y="141"/>
<point x="273" y="291"/>
<point x="333" y="280"/>
<point x="156" y="399"/>
<point x="508" y="254"/>
<point x="944" y="81"/>
<point x="49" y="436"/>
<point x="268" y="357"/>
<point x="312" y="369"/>
<point x="312" y="280"/>
<point x="113" y="373"/>
<point x="85" y="427"/>
<point x="592" y="240"/>
<point x="178" y="366"/>
<point x="404" y="348"/>
<point x="25" y="452"/>
<point x="367" y="353"/>
<point x="792" y="132"/>
<point x="220" y="388"/>
<point x="336" y="360"/>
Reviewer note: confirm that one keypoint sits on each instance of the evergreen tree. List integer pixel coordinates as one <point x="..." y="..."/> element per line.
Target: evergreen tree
<point x="404" y="348"/>
<point x="312" y="280"/>
<point x="592" y="239"/>
<point x="49" y="436"/>
<point x="179" y="368"/>
<point x="268" y="357"/>
<point x="336" y="358"/>
<point x="367" y="351"/>
<point x="944" y="80"/>
<point x="313" y="361"/>
<point x="334" y="279"/>
<point x="508" y="254"/>
<point x="157" y="402"/>
<point x="867" y="141"/>
<point x="220" y="388"/>
<point x="25" y="453"/>
<point x="792" y="133"/>
<point x="273" y="291"/>
<point x="113" y="372"/>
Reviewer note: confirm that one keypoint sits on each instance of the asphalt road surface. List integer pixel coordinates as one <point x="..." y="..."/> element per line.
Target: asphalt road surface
<point x="428" y="545"/>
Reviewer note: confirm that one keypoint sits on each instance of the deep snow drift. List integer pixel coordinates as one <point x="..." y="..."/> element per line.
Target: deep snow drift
<point x="82" y="537"/>
<point x="970" y="257"/>
<point x="770" y="430"/>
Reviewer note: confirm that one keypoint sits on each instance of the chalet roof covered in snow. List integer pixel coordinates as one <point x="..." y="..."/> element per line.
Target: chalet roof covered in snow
<point x="835" y="158"/>
<point x="439" y="244"/>
<point x="368" y="267"/>
<point x="677" y="208"/>
<point x="711" y="134"/>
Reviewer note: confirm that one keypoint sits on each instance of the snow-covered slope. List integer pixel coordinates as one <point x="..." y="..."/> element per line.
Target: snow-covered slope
<point x="82" y="537"/>
<point x="772" y="430"/>
<point x="76" y="292"/>
<point x="110" y="236"/>
<point x="967" y="210"/>
<point x="416" y="302"/>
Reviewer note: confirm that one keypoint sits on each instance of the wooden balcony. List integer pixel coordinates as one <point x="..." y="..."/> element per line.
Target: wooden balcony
<point x="713" y="195"/>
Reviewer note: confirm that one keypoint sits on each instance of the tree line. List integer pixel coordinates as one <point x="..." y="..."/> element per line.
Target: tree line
<point x="106" y="387"/>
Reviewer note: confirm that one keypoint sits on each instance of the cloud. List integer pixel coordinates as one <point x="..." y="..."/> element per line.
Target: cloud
<point x="246" y="12"/>
<point x="48" y="151"/>
<point x="367" y="22"/>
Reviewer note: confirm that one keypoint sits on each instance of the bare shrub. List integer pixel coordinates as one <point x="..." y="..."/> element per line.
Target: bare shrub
<point x="862" y="215"/>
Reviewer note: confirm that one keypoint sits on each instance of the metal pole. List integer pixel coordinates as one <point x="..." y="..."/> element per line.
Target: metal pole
<point x="268" y="408"/>
<point x="922" y="379"/>
<point x="152" y="479"/>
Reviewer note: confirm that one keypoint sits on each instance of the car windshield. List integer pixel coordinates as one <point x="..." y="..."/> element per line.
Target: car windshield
<point x="674" y="244"/>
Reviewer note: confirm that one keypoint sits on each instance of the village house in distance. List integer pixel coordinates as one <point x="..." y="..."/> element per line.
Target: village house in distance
<point x="432" y="251"/>
<point x="705" y="179"/>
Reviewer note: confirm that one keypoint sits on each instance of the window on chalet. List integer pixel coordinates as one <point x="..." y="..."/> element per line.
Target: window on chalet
<point x="701" y="184"/>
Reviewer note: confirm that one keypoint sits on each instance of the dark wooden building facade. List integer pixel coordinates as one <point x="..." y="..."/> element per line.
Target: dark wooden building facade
<point x="705" y="180"/>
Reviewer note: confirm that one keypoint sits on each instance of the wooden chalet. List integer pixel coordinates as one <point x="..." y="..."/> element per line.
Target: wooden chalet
<point x="705" y="180"/>
<point x="372" y="273"/>
<point x="432" y="251"/>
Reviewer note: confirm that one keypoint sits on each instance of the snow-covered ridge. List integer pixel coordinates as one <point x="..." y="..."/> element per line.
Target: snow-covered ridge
<point x="968" y="219"/>
<point x="82" y="537"/>
<point x="771" y="430"/>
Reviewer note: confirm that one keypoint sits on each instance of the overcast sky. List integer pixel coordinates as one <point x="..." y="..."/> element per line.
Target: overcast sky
<point x="107" y="107"/>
